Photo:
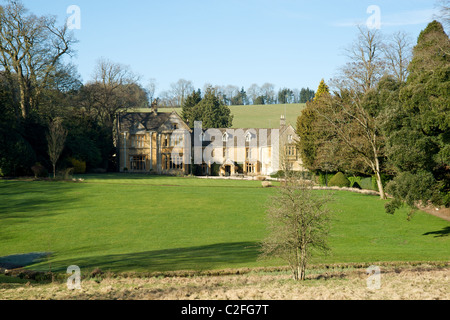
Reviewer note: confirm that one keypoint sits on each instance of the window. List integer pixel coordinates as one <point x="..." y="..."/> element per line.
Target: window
<point x="138" y="163"/>
<point x="176" y="162"/>
<point x="137" y="141"/>
<point x="176" y="140"/>
<point x="291" y="151"/>
<point x="250" y="167"/>
<point x="248" y="137"/>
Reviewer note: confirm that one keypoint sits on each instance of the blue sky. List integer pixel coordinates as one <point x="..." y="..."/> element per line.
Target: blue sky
<point x="288" y="43"/>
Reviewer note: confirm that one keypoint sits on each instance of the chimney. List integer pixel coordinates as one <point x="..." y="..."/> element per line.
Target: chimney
<point x="282" y="122"/>
<point x="155" y="106"/>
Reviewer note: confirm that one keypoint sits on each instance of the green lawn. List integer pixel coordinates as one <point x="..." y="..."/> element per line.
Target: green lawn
<point x="150" y="223"/>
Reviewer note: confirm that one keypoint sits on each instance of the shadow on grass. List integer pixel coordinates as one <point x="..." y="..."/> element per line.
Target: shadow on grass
<point x="222" y="255"/>
<point x="21" y="201"/>
<point x="440" y="233"/>
<point x="22" y="260"/>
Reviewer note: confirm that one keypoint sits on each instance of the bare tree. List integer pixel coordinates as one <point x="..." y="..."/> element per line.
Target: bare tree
<point x="56" y="138"/>
<point x="114" y="86"/>
<point x="298" y="223"/>
<point x="366" y="65"/>
<point x="151" y="89"/>
<point x="398" y="55"/>
<point x="268" y="91"/>
<point x="181" y="89"/>
<point x="254" y="91"/>
<point x="30" y="48"/>
<point x="346" y="113"/>
<point x="444" y="12"/>
<point x="355" y="127"/>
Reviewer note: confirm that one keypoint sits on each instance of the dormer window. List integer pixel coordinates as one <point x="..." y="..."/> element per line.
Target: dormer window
<point x="225" y="137"/>
<point x="248" y="137"/>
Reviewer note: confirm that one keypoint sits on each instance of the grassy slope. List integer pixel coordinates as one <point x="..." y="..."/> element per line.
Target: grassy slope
<point x="139" y="223"/>
<point x="258" y="116"/>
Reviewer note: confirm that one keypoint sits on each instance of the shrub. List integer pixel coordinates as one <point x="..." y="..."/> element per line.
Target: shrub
<point x="324" y="178"/>
<point x="79" y="166"/>
<point x="355" y="185"/>
<point x="339" y="180"/>
<point x="366" y="183"/>
<point x="39" y="171"/>
<point x="355" y="182"/>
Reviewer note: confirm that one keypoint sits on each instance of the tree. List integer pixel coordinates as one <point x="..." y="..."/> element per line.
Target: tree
<point x="31" y="47"/>
<point x="444" y="12"/>
<point x="56" y="139"/>
<point x="398" y="54"/>
<point x="366" y="65"/>
<point x="268" y="92"/>
<point x="211" y="111"/>
<point x="417" y="129"/>
<point x="240" y="99"/>
<point x="352" y="113"/>
<point x="298" y="224"/>
<point x="309" y="131"/>
<point x="322" y="90"/>
<point x="353" y="119"/>
<point x="190" y="103"/>
<point x="285" y="95"/>
<point x="254" y="91"/>
<point x="114" y="87"/>
<point x="151" y="89"/>
<point x="180" y="90"/>
<point x="306" y="95"/>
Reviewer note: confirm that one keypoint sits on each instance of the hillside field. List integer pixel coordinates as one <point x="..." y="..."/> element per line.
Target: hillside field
<point x="256" y="116"/>
<point x="145" y="223"/>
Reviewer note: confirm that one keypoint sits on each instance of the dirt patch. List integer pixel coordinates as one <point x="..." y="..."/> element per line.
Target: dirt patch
<point x="443" y="213"/>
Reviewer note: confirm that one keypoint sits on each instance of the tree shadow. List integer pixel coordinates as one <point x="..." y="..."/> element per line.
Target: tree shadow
<point x="22" y="260"/>
<point x="440" y="233"/>
<point x="193" y="258"/>
<point x="21" y="201"/>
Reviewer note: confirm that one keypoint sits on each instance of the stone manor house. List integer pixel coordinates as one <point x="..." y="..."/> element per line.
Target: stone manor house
<point x="162" y="143"/>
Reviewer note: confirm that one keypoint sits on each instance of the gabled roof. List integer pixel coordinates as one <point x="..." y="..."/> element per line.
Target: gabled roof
<point x="144" y="121"/>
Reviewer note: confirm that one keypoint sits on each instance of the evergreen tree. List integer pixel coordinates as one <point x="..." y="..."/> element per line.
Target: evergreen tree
<point x="418" y="133"/>
<point x="323" y="89"/>
<point x="309" y="132"/>
<point x="189" y="104"/>
<point x="211" y="111"/>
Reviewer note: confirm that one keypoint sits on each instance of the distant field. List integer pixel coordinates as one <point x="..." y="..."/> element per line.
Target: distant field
<point x="258" y="116"/>
<point x="125" y="222"/>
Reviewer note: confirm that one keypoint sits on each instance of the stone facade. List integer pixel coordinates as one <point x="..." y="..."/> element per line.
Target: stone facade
<point x="162" y="143"/>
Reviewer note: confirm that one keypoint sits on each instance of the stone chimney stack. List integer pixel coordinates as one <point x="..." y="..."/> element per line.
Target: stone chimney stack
<point x="154" y="106"/>
<point x="282" y="122"/>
